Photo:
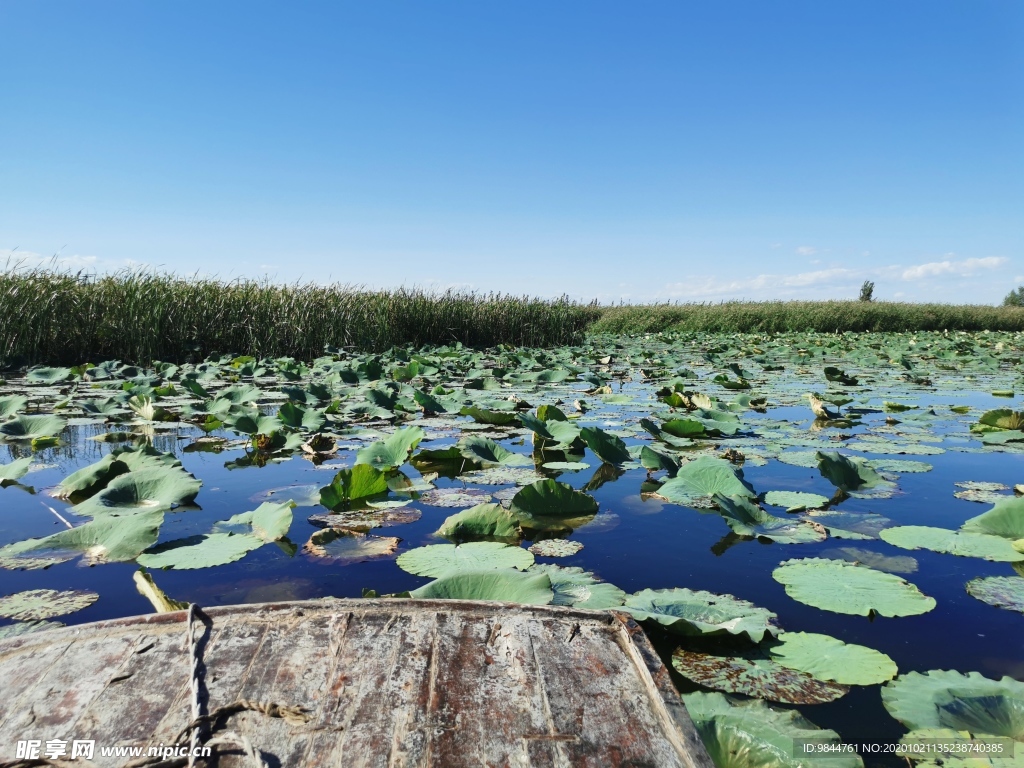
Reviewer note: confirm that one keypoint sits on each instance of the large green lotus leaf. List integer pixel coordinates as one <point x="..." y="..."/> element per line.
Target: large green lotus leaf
<point x="483" y="520"/>
<point x="392" y="452"/>
<point x="39" y="604"/>
<point x="14" y="471"/>
<point x="900" y="465"/>
<point x="360" y="482"/>
<point x="565" y="434"/>
<point x="1005" y="519"/>
<point x="27" y="627"/>
<point x="655" y="461"/>
<point x="11" y="404"/>
<point x="47" y="376"/>
<point x="960" y="543"/>
<point x="485" y="451"/>
<point x="841" y="587"/>
<point x="850" y="525"/>
<point x="506" y="585"/>
<point x="795" y="501"/>
<point x="828" y="658"/>
<point x="547" y="501"/>
<point x="758" y="677"/>
<point x="703" y="478"/>
<point x="499" y="475"/>
<point x="696" y="612"/>
<point x="1003" y="418"/>
<point x="751" y="734"/>
<point x="103" y="540"/>
<point x="608" y="448"/>
<point x="1000" y="591"/>
<point x="204" y="551"/>
<point x="849" y="473"/>
<point x="574" y="586"/>
<point x="485" y="416"/>
<point x="268" y="522"/>
<point x="344" y="547"/>
<point x="238" y="394"/>
<point x="534" y="424"/>
<point x="438" y="559"/>
<point x="748" y="519"/>
<point x="32" y="427"/>
<point x="304" y="419"/>
<point x="91" y="479"/>
<point x="889" y="564"/>
<point x="665" y="437"/>
<point x="964" y="702"/>
<point x="157" y="488"/>
<point x="683" y="428"/>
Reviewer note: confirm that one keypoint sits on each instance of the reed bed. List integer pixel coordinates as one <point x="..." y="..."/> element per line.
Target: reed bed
<point x="63" y="317"/>
<point x="822" y="316"/>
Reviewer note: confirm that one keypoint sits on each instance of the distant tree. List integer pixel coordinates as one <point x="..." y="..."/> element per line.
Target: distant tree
<point x="867" y="291"/>
<point x="1015" y="298"/>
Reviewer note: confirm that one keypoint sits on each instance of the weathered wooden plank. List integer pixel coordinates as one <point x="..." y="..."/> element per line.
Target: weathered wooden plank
<point x="388" y="683"/>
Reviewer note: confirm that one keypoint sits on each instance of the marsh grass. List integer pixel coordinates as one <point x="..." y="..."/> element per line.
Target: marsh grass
<point x="63" y="317"/>
<point x="823" y="316"/>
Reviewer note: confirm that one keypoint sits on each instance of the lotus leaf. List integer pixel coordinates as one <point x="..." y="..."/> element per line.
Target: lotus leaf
<point x="841" y="587"/>
<point x="1003" y="418"/>
<point x="11" y="404"/>
<point x="968" y="703"/>
<point x="828" y="658"/>
<point x="455" y="497"/>
<point x="849" y="473"/>
<point x="483" y="520"/>
<point x="747" y="519"/>
<point x="1000" y="591"/>
<point x="392" y="452"/>
<point x="606" y="447"/>
<point x="506" y="585"/>
<point x="702" y="478"/>
<point x="47" y="376"/>
<point x="17" y="469"/>
<point x="759" y="677"/>
<point x="155" y="488"/>
<point x="655" y="461"/>
<point x="485" y="451"/>
<point x="366" y="519"/>
<point x="32" y="427"/>
<point x="900" y="465"/>
<point x="438" y="559"/>
<point x="1005" y="519"/>
<point x="203" y="551"/>
<point x="695" y="612"/>
<point x="795" y="501"/>
<point x="555" y="548"/>
<point x="344" y="547"/>
<point x="850" y="525"/>
<point x="39" y="604"/>
<point x="500" y="475"/>
<point x="579" y="588"/>
<point x="105" y="539"/>
<point x="751" y="734"/>
<point x="549" y="501"/>
<point x="485" y="416"/>
<point x="356" y="484"/>
<point x="268" y="522"/>
<point x="962" y="543"/>
<point x="959" y="750"/>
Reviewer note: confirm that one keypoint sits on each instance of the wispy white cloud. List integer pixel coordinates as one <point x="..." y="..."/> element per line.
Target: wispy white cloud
<point x="962" y="268"/>
<point x="17" y="258"/>
<point x="806" y="250"/>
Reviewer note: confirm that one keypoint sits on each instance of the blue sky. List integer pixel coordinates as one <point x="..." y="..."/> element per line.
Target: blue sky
<point x="636" y="151"/>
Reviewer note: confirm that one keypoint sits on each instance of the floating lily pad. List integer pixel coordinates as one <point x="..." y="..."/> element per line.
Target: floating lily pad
<point x="828" y="658"/>
<point x="103" y="540"/>
<point x="203" y="551"/>
<point x="566" y="466"/>
<point x="39" y="604"/>
<point x="850" y="525"/>
<point x="962" y="543"/>
<point x="751" y="734"/>
<point x="366" y="519"/>
<point x="795" y="501"/>
<point x="145" y="490"/>
<point x="31" y="427"/>
<point x="393" y="451"/>
<point x="900" y="465"/>
<point x="556" y="548"/>
<point x="1000" y="591"/>
<point x="703" y="478"/>
<point x="27" y="627"/>
<point x="758" y="677"/>
<point x="438" y="559"/>
<point x="299" y="495"/>
<point x="14" y="471"/>
<point x="344" y="547"/>
<point x="889" y="564"/>
<point x="964" y="702"/>
<point x="574" y="586"/>
<point x="747" y="519"/>
<point x="501" y="476"/>
<point x="268" y="522"/>
<point x="455" y="497"/>
<point x="696" y="612"/>
<point x="485" y="451"/>
<point x="1005" y="519"/>
<point x="506" y="585"/>
<point x="841" y="587"/>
